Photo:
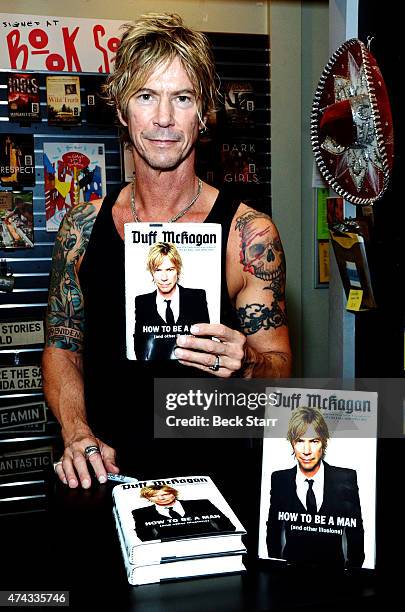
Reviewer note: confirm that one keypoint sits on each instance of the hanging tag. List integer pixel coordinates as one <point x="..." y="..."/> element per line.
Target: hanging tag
<point x="354" y="300"/>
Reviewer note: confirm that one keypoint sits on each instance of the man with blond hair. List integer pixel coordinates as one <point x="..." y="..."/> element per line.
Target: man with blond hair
<point x="169" y="517"/>
<point x="168" y="309"/>
<point x="314" y="489"/>
<point x="163" y="88"/>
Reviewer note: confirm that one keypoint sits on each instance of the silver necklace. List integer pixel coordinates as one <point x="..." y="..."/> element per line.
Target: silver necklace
<point x="172" y="219"/>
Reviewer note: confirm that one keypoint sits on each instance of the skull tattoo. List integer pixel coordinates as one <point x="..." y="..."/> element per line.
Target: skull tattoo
<point x="260" y="254"/>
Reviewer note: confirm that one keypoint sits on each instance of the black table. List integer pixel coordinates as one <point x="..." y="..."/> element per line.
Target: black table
<point x="73" y="546"/>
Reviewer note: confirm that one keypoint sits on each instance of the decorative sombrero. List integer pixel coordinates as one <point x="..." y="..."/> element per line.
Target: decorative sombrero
<point x="351" y="125"/>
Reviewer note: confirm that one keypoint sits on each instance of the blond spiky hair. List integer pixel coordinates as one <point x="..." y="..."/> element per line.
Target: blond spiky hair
<point x="159" y="251"/>
<point x="155" y="40"/>
<point x="305" y="417"/>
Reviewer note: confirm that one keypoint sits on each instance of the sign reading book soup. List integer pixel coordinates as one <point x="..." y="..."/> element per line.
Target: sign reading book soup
<point x="56" y="44"/>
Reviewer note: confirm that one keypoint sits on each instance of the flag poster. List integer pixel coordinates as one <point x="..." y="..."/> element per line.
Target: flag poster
<point x="74" y="173"/>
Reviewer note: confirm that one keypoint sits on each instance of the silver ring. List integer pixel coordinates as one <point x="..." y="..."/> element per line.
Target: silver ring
<point x="55" y="465"/>
<point x="216" y="366"/>
<point x="91" y="450"/>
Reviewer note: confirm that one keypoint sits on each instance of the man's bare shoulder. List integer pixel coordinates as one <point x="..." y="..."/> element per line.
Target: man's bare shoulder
<point x="248" y="216"/>
<point x="256" y="283"/>
<point x="256" y="242"/>
<point x="252" y="232"/>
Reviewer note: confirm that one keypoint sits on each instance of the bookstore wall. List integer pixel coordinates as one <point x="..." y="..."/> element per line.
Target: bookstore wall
<point x="69" y="151"/>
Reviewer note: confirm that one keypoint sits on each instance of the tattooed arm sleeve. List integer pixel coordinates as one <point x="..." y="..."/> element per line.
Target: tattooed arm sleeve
<point x="62" y="356"/>
<point x="65" y="316"/>
<point x="260" y="305"/>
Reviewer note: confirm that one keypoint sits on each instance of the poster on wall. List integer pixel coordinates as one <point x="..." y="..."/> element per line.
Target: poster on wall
<point x="239" y="162"/>
<point x="23" y="97"/>
<point x="98" y="112"/>
<point x="74" y="173"/>
<point x="63" y="100"/>
<point x="16" y="220"/>
<point x="239" y="104"/>
<point x="318" y="490"/>
<point x="17" y="162"/>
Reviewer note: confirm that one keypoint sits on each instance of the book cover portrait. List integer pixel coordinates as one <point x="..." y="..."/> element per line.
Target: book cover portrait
<point x="319" y="482"/>
<point x="172" y="281"/>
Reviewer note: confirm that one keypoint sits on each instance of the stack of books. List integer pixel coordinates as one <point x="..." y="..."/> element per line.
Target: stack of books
<point x="175" y="528"/>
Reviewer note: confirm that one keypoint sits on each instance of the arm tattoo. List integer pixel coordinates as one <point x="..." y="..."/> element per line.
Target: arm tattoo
<point x="65" y="317"/>
<point x="261" y="253"/>
<point x="254" y="317"/>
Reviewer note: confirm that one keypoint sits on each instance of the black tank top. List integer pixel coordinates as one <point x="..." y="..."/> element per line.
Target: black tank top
<point x="119" y="392"/>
